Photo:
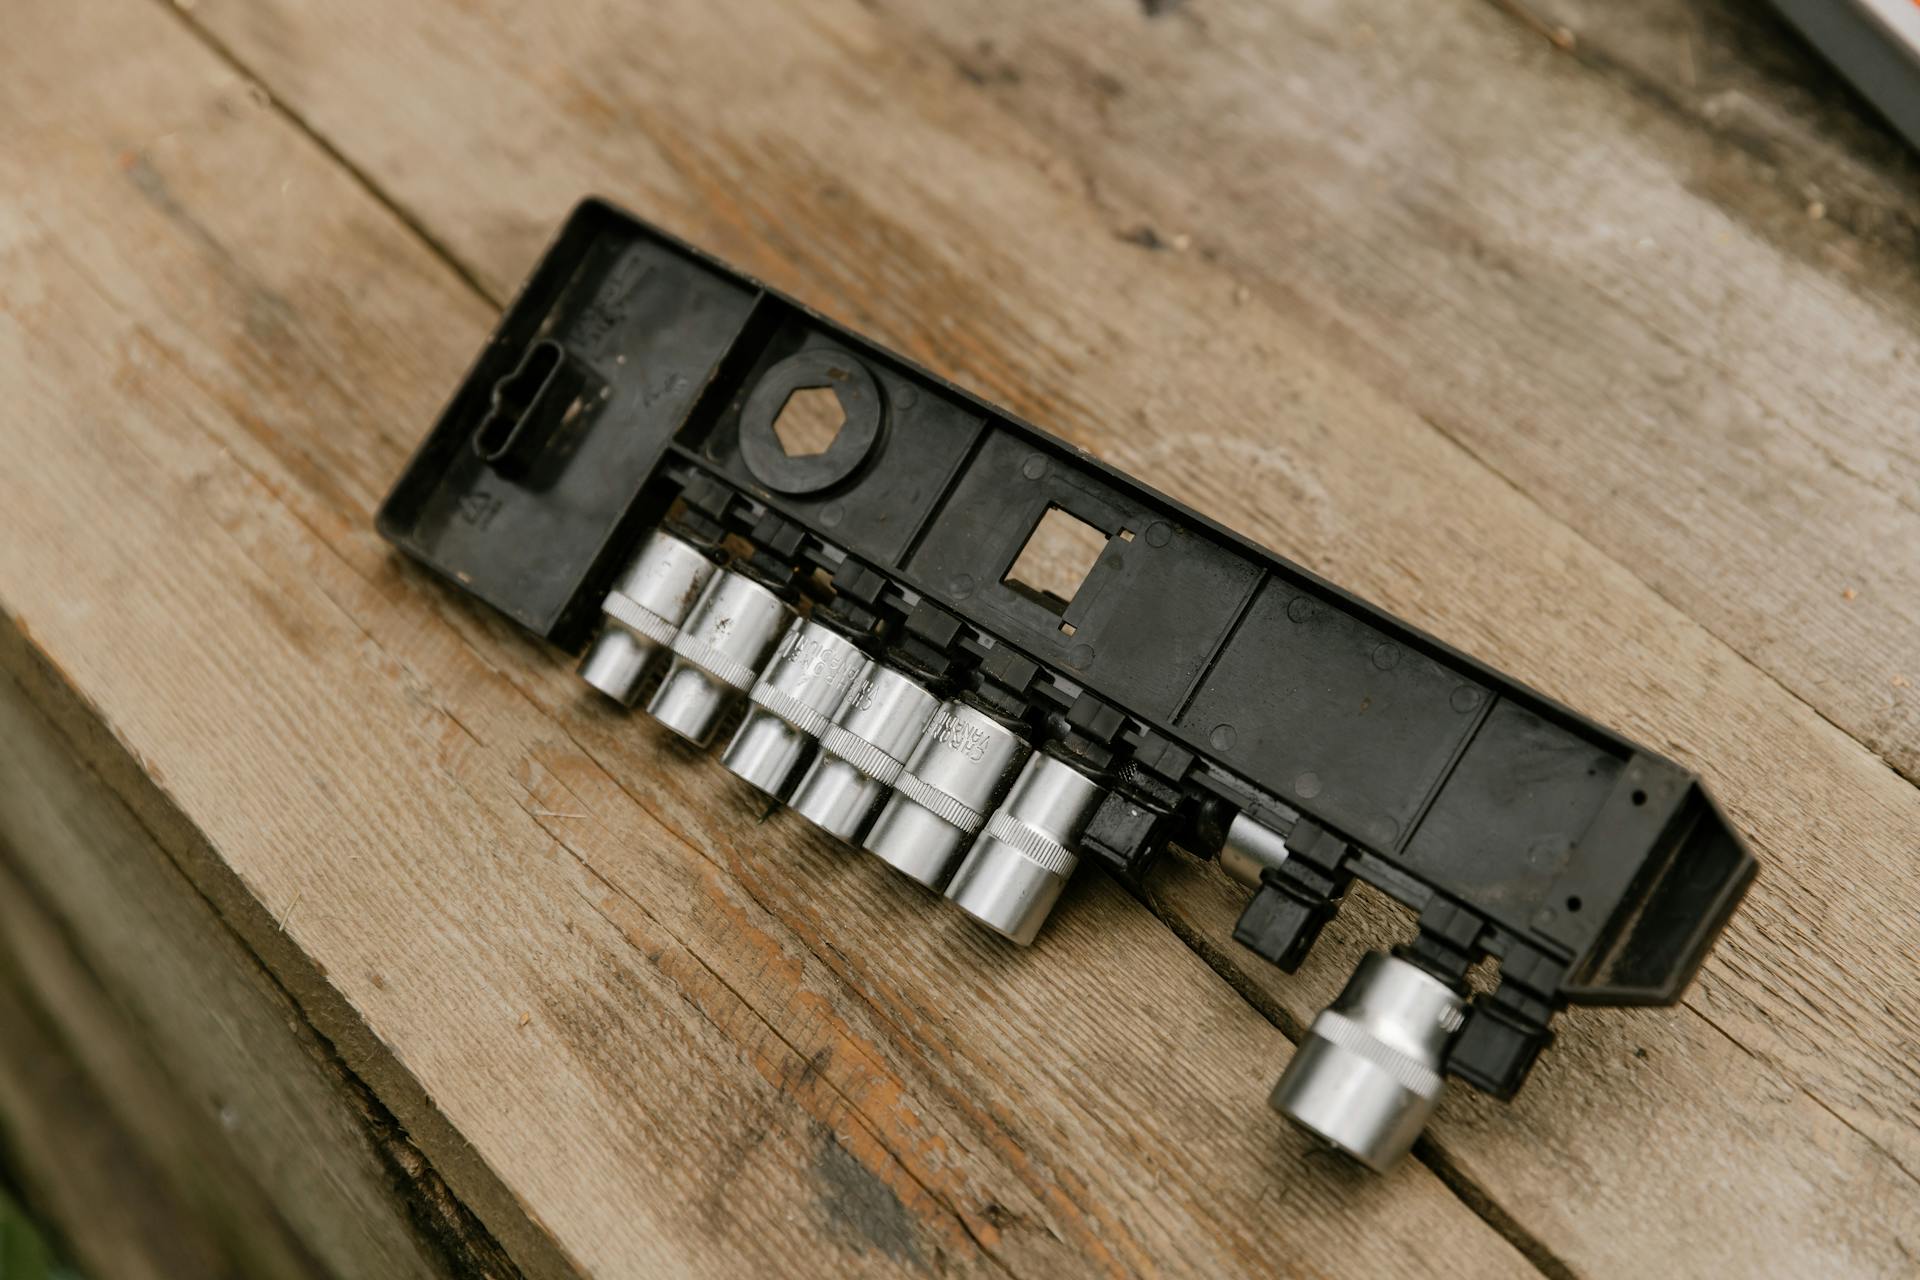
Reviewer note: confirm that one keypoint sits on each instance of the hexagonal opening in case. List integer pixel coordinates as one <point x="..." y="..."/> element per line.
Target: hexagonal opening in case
<point x="809" y="422"/>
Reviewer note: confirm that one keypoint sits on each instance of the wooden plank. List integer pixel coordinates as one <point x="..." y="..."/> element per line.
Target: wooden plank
<point x="1552" y="310"/>
<point x="621" y="1039"/>
<point x="1613" y="309"/>
<point x="1740" y="73"/>
<point x="243" y="1109"/>
<point x="1555" y="269"/>
<point x="78" y="1164"/>
<point x="964" y="202"/>
<point x="1619" y="312"/>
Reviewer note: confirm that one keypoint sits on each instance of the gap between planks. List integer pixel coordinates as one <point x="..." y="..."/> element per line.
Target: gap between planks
<point x="198" y="32"/>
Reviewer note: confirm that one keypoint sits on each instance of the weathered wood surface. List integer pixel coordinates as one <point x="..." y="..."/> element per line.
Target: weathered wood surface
<point x="1506" y="315"/>
<point x="70" y="1148"/>
<point x="269" y="1147"/>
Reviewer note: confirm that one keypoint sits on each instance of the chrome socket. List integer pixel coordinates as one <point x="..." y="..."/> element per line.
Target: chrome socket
<point x="962" y="765"/>
<point x="863" y="751"/>
<point x="1250" y="850"/>
<point x="805" y="682"/>
<point x="720" y="648"/>
<point x="1022" y="860"/>
<point x="652" y="597"/>
<point x="1367" y="1076"/>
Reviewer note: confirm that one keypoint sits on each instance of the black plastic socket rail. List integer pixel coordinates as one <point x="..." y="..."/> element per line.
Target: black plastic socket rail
<point x="626" y="470"/>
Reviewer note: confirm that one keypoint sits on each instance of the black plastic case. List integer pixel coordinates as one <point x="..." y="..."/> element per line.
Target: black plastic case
<point x="1220" y="676"/>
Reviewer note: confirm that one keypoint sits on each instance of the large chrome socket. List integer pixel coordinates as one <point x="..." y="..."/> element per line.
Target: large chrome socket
<point x="720" y="649"/>
<point x="1021" y="862"/>
<point x="962" y="765"/>
<point x="863" y="751"/>
<point x="805" y="682"/>
<point x="652" y="597"/>
<point x="1367" y="1076"/>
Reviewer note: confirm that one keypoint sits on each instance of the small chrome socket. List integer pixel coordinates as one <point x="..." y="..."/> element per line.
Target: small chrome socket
<point x="644" y="610"/>
<point x="1251" y="849"/>
<point x="962" y="765"/>
<point x="802" y="685"/>
<point x="1016" y="869"/>
<point x="863" y="751"/>
<point x="717" y="654"/>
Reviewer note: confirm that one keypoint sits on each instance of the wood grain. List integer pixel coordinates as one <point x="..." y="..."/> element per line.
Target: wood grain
<point x="1553" y="363"/>
<point x="1594" y="302"/>
<point x="1740" y="74"/>
<point x="581" y="1008"/>
<point x="1420" y="448"/>
<point x="73" y="1158"/>
<point x="194" y="1047"/>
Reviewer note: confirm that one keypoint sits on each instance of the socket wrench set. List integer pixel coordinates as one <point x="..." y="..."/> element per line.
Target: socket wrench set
<point x="795" y="545"/>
